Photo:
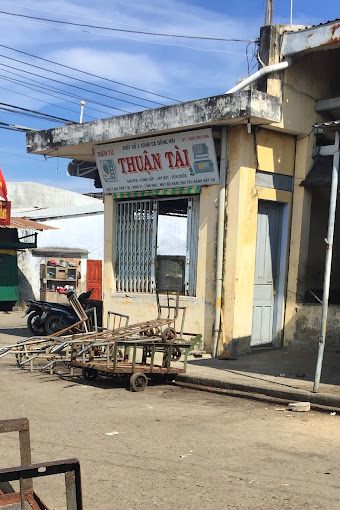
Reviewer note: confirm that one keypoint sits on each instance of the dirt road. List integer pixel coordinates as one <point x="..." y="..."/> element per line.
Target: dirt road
<point x="175" y="448"/>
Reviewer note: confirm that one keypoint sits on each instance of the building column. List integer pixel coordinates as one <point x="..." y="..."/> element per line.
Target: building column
<point x="240" y="241"/>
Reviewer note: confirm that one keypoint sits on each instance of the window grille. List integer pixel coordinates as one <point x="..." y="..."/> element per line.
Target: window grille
<point x="136" y="242"/>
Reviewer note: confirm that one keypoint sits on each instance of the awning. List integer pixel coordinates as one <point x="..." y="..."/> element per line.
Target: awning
<point x="28" y="224"/>
<point x="320" y="174"/>
<point x="192" y="190"/>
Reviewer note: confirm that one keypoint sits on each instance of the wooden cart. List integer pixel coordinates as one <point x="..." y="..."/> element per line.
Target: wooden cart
<point x="134" y="359"/>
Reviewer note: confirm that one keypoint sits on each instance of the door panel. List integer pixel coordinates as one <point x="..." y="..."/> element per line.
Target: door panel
<point x="268" y="246"/>
<point x="94" y="278"/>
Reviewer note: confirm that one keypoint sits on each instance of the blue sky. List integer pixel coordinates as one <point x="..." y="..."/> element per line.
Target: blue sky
<point x="181" y="69"/>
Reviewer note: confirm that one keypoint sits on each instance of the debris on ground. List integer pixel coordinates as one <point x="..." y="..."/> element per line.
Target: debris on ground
<point x="299" y="407"/>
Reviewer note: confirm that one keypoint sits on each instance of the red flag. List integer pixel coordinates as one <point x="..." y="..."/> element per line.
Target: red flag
<point x="3" y="187"/>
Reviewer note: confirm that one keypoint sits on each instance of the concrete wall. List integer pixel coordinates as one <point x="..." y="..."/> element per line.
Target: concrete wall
<point x="273" y="153"/>
<point x="33" y="194"/>
<point x="312" y="77"/>
<point x="269" y="151"/>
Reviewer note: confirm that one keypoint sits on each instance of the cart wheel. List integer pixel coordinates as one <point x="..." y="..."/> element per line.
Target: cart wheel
<point x="176" y="354"/>
<point x="90" y="374"/>
<point x="138" y="382"/>
<point x="169" y="335"/>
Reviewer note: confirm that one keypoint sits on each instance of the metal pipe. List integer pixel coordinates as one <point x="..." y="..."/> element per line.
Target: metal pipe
<point x="262" y="72"/>
<point x="220" y="237"/>
<point x="328" y="260"/>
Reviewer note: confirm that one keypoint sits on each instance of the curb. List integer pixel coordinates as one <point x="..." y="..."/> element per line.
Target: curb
<point x="254" y="392"/>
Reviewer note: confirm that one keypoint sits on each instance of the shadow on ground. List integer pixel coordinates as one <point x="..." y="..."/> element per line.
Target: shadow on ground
<point x="292" y="364"/>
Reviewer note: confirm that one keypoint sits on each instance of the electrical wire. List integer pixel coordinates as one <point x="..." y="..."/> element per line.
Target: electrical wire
<point x="95" y="76"/>
<point x="184" y="36"/>
<point x="67" y="84"/>
<point x="80" y="16"/>
<point x="20" y="156"/>
<point x="70" y="94"/>
<point x="59" y="119"/>
<point x="116" y="36"/>
<point x="41" y="100"/>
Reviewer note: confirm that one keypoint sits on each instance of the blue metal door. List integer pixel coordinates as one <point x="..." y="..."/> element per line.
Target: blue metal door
<point x="267" y="263"/>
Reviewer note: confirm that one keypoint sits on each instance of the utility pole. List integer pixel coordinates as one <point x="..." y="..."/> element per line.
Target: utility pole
<point x="269" y="12"/>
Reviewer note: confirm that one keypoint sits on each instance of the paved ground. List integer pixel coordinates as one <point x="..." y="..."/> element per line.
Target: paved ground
<point x="287" y="375"/>
<point x="175" y="448"/>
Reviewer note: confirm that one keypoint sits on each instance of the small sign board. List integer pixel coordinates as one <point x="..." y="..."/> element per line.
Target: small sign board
<point x="5" y="212"/>
<point x="169" y="161"/>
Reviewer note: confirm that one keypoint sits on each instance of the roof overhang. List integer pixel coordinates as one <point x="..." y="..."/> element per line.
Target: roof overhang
<point x="27" y="224"/>
<point x="320" y="37"/>
<point x="76" y="141"/>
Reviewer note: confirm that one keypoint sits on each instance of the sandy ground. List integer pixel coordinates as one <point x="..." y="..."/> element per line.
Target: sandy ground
<point x="175" y="448"/>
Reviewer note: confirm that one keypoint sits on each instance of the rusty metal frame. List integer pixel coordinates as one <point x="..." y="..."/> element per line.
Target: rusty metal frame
<point x="27" y="471"/>
<point x="69" y="467"/>
<point x="20" y="425"/>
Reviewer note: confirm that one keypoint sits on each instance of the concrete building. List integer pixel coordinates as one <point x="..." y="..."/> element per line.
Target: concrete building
<point x="78" y="223"/>
<point x="235" y="170"/>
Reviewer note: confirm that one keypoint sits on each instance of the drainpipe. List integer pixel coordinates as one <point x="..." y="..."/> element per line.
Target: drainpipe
<point x="220" y="238"/>
<point x="328" y="261"/>
<point x="262" y="72"/>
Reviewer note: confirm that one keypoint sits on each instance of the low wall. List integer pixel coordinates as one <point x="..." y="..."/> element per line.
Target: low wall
<point x="306" y="331"/>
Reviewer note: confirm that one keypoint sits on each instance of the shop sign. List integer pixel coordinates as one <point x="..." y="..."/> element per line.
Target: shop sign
<point x="5" y="212"/>
<point x="169" y="161"/>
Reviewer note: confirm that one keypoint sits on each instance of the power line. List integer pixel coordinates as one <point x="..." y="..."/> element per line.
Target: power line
<point x="23" y="114"/>
<point x="96" y="76"/>
<point x="141" y="41"/>
<point x="41" y="100"/>
<point x="63" y="92"/>
<point x="183" y="36"/>
<point x="80" y="16"/>
<point x="59" y="119"/>
<point x="67" y="84"/>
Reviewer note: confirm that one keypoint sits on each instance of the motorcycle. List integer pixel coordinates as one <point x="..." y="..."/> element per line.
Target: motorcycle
<point x="45" y="318"/>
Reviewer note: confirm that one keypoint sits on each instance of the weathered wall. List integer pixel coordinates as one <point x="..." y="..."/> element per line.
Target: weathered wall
<point x="275" y="154"/>
<point x="306" y="322"/>
<point x="311" y="77"/>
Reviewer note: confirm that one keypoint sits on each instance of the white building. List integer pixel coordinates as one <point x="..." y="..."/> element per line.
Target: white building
<point x="79" y="234"/>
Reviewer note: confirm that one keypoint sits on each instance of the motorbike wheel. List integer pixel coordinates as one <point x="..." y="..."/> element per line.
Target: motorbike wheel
<point x="55" y="323"/>
<point x="34" y="325"/>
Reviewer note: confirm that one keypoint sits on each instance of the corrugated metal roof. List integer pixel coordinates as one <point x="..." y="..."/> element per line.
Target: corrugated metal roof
<point x="313" y="26"/>
<point x="62" y="212"/>
<point x="311" y="38"/>
<point x="330" y="124"/>
<point x="27" y="224"/>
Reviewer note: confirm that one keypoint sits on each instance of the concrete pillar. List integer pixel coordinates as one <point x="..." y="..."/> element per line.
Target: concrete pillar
<point x="240" y="246"/>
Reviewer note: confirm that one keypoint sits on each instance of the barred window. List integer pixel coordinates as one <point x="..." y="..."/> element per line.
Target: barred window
<point x="156" y="244"/>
